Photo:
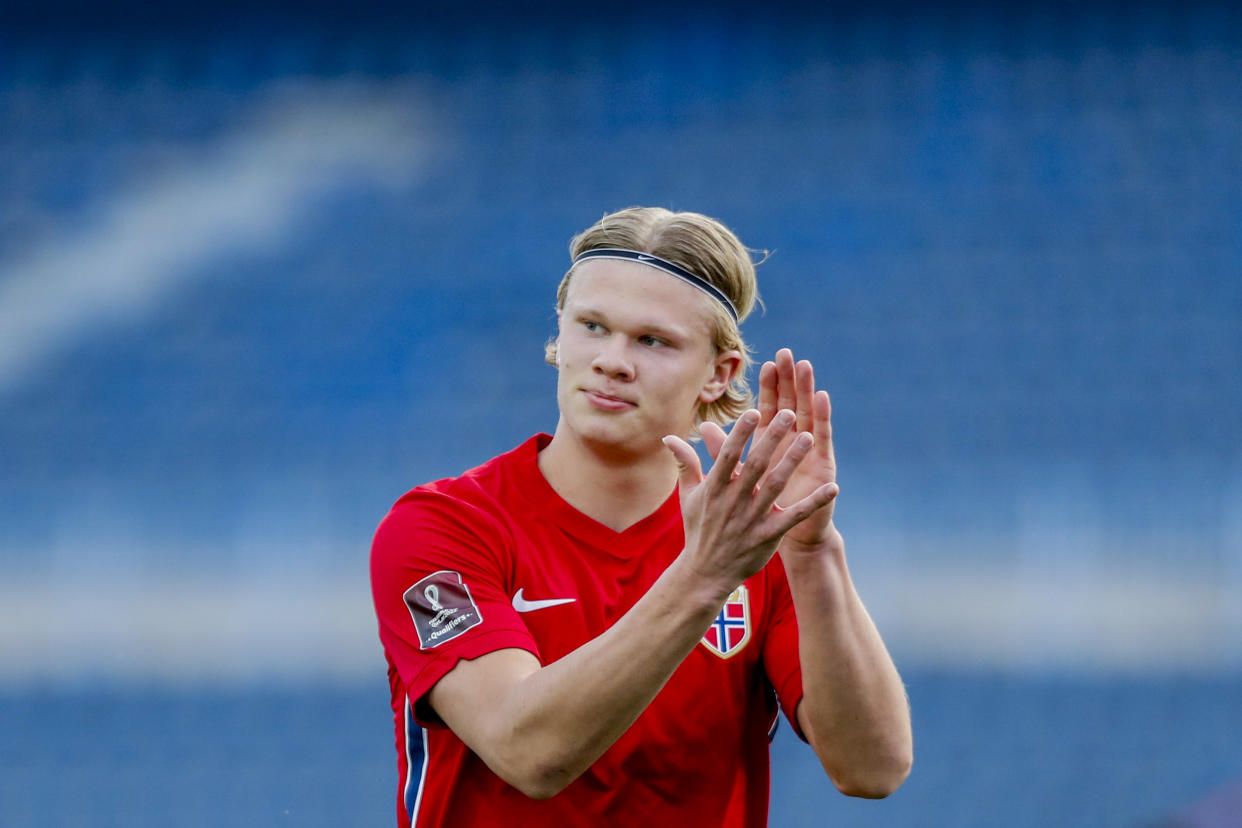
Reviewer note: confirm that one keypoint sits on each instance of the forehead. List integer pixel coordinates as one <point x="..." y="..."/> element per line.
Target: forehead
<point x="638" y="294"/>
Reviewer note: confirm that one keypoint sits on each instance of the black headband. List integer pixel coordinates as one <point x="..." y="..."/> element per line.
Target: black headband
<point x="661" y="264"/>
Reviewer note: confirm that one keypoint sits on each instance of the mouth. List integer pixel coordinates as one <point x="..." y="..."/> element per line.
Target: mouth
<point x="607" y="402"/>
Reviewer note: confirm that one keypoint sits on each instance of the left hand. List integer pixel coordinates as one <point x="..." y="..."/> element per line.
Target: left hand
<point x="786" y="384"/>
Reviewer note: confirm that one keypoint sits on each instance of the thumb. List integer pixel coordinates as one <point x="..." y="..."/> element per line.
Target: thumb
<point x="689" y="470"/>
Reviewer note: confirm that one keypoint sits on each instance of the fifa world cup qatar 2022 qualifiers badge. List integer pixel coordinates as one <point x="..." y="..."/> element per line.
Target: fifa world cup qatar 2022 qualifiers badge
<point x="441" y="607"/>
<point x="730" y="631"/>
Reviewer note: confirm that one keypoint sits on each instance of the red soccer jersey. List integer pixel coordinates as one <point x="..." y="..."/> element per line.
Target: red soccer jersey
<point x="496" y="558"/>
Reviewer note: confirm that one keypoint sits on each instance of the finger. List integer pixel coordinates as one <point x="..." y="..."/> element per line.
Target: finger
<point x="775" y="482"/>
<point x="807" y="506"/>
<point x="804" y="390"/>
<point x="767" y="392"/>
<point x="785" y="397"/>
<point x="689" y="469"/>
<point x="731" y="450"/>
<point x="762" y="452"/>
<point x="713" y="438"/>
<point x="823" y="429"/>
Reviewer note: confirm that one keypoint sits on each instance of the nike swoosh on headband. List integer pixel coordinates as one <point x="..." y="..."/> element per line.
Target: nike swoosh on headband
<point x="668" y="267"/>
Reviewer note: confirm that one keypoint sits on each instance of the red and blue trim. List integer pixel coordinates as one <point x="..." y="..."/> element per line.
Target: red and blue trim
<point x="415" y="764"/>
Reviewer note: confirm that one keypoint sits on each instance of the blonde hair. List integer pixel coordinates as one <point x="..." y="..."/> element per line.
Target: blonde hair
<point x="707" y="249"/>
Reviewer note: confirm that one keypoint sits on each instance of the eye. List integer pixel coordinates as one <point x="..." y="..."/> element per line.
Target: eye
<point x="651" y="341"/>
<point x="592" y="326"/>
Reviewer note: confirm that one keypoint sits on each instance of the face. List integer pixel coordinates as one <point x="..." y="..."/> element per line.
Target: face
<point x="635" y="356"/>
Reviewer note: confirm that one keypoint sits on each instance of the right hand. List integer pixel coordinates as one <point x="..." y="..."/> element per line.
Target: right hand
<point x="732" y="523"/>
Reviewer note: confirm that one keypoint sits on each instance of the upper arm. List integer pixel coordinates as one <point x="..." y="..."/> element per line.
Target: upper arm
<point x="441" y="595"/>
<point x="781" y="658"/>
<point x="482" y="704"/>
<point x="802" y="722"/>
<point x="471" y="698"/>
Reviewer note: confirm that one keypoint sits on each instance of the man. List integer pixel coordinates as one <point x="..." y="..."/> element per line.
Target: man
<point x="588" y="630"/>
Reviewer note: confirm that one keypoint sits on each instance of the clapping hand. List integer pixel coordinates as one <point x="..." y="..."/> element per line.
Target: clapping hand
<point x="786" y="385"/>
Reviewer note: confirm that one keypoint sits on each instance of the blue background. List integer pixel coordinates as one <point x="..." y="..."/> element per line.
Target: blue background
<point x="262" y="269"/>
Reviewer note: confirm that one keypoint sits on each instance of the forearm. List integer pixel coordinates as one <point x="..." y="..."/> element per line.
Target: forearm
<point x="854" y="709"/>
<point x="558" y="720"/>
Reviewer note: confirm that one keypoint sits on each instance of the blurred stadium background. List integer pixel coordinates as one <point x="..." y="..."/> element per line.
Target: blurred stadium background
<point x="264" y="268"/>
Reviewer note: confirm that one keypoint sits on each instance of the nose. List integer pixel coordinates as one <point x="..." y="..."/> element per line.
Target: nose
<point x="612" y="360"/>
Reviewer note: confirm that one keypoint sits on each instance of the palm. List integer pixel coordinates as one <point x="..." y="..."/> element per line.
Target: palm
<point x="813" y="472"/>
<point x="784" y="384"/>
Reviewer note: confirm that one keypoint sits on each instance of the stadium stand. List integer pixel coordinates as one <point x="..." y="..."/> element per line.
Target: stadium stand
<point x="1009" y="237"/>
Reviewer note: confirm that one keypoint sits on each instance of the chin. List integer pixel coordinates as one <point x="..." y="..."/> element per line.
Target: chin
<point x="628" y="432"/>
<point x="602" y="432"/>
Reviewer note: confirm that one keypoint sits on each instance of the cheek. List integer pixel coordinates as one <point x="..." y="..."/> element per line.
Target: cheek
<point x="688" y="385"/>
<point x="564" y="352"/>
<point x="569" y="362"/>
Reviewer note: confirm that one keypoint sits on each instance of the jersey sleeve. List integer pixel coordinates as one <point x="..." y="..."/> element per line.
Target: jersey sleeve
<point x="780" y="646"/>
<point x="439" y="578"/>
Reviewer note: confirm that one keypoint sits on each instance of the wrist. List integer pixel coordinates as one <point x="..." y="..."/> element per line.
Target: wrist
<point x="812" y="568"/>
<point x="829" y="544"/>
<point x="704" y="591"/>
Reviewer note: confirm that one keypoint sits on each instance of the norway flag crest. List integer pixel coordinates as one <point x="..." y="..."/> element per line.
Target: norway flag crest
<point x="730" y="631"/>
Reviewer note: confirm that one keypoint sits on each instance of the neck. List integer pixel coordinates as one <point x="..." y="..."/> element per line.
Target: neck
<point x="617" y="488"/>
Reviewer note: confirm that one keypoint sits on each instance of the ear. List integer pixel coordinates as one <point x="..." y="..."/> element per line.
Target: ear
<point x="725" y="369"/>
<point x="552" y="348"/>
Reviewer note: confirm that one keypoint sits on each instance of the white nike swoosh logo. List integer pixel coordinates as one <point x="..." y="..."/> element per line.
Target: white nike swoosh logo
<point x="522" y="605"/>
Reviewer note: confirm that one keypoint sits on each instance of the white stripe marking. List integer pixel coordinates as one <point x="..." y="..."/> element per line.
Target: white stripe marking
<point x="243" y="193"/>
<point x="409" y="777"/>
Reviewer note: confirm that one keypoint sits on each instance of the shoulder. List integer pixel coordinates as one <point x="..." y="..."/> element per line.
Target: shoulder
<point x="473" y="508"/>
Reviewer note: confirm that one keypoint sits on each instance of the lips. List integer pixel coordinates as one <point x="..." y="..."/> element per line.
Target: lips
<point x="607" y="402"/>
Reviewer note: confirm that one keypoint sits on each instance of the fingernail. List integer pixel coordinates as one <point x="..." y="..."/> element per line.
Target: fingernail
<point x="750" y="417"/>
<point x="805" y="439"/>
<point x="786" y="416"/>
